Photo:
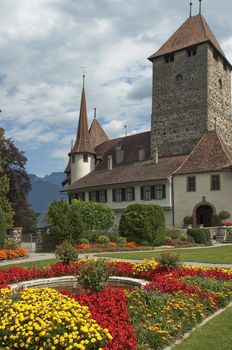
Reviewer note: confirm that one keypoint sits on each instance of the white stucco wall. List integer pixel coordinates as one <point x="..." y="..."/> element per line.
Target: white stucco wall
<point x="184" y="202"/>
<point x="80" y="168"/>
<point x="119" y="207"/>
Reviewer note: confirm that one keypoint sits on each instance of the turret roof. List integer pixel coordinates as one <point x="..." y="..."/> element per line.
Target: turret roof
<point x="96" y="134"/>
<point x="195" y="30"/>
<point x="82" y="143"/>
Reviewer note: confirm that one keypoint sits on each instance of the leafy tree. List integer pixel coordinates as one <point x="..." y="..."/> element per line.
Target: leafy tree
<point x="58" y="221"/>
<point x="2" y="228"/>
<point x="4" y="189"/>
<point x="13" y="165"/>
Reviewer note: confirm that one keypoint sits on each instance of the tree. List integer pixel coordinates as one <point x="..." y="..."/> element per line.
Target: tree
<point x="13" y="165"/>
<point x="2" y="228"/>
<point x="4" y="189"/>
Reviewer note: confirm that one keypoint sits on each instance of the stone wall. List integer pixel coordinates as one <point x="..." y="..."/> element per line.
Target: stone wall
<point x="186" y="99"/>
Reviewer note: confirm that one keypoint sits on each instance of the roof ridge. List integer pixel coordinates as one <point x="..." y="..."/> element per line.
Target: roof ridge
<point x="203" y="25"/>
<point x="223" y="146"/>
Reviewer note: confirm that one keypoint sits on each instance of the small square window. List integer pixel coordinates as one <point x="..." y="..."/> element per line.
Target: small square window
<point x="85" y="158"/>
<point x="215" y="183"/>
<point x="169" y="58"/>
<point x="191" y="184"/>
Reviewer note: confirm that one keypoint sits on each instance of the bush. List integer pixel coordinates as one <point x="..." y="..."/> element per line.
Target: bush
<point x="103" y="240"/>
<point x="2" y="228"/>
<point x="168" y="260"/>
<point x="121" y="240"/>
<point x="143" y="222"/>
<point x="113" y="236"/>
<point x="200" y="235"/>
<point x="224" y="215"/>
<point x="168" y="239"/>
<point x="66" y="253"/>
<point x="174" y="233"/>
<point x="11" y="244"/>
<point x="188" y="220"/>
<point x="83" y="241"/>
<point x="93" y="276"/>
<point x="216" y="221"/>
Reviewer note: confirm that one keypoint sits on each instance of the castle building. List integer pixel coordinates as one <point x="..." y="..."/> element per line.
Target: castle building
<point x="184" y="163"/>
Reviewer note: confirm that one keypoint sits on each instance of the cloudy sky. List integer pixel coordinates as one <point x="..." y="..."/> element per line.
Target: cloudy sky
<point x="44" y="44"/>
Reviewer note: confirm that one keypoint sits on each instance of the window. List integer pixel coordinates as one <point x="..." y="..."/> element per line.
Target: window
<point x="179" y="78"/>
<point x="119" y="154"/>
<point x="191" y="184"/>
<point x="80" y="196"/>
<point x="85" y="158"/>
<point x="94" y="196"/>
<point x="215" y="183"/>
<point x="73" y="158"/>
<point x="220" y="83"/>
<point x="117" y="195"/>
<point x="146" y="193"/>
<point x="141" y="154"/>
<point x="157" y="192"/>
<point x="192" y="51"/>
<point x="103" y="196"/>
<point x="109" y="163"/>
<point x="169" y="58"/>
<point x="215" y="55"/>
<point x="129" y="194"/>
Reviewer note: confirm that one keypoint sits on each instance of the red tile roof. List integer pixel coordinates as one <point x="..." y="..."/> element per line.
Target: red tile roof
<point x="193" y="31"/>
<point x="210" y="154"/>
<point x="96" y="134"/>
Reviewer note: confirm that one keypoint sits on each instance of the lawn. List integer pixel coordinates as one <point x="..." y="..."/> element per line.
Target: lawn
<point x="216" y="255"/>
<point x="216" y="334"/>
<point x="37" y="264"/>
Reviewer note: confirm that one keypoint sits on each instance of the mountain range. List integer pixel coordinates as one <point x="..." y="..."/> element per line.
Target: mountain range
<point x="45" y="190"/>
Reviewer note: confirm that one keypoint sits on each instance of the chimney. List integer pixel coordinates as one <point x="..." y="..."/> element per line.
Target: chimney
<point x="156" y="155"/>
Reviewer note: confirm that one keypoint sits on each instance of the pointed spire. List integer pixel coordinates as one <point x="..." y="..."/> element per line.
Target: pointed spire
<point x="95" y="113"/>
<point x="200" y="7"/>
<point x="191" y="4"/>
<point x="82" y="143"/>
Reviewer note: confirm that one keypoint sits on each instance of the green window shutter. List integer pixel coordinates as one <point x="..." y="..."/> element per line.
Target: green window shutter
<point x="164" y="191"/>
<point x="113" y="192"/>
<point x="142" y="193"/>
<point x="123" y="194"/>
<point x="152" y="192"/>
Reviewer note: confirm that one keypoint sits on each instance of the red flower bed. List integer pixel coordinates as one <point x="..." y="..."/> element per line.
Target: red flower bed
<point x="109" y="309"/>
<point x="227" y="223"/>
<point x="216" y="273"/>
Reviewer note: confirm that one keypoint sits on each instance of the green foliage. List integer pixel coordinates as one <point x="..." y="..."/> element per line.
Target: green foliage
<point x="2" y="228"/>
<point x="10" y="244"/>
<point x="174" y="233"/>
<point x="216" y="221"/>
<point x="188" y="220"/>
<point x="58" y="221"/>
<point x="168" y="239"/>
<point x="83" y="241"/>
<point x="121" y="240"/>
<point x="95" y="216"/>
<point x="168" y="260"/>
<point x="113" y="236"/>
<point x="103" y="240"/>
<point x="224" y="215"/>
<point x="66" y="253"/>
<point x="93" y="276"/>
<point x="142" y="222"/>
<point x="200" y="235"/>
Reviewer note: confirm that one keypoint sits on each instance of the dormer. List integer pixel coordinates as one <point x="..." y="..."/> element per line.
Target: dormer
<point x="119" y="154"/>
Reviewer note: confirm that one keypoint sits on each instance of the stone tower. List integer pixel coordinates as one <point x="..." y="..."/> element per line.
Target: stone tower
<point x="191" y="89"/>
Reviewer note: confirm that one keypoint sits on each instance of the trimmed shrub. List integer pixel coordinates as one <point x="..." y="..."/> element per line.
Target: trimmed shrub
<point x="66" y="253"/>
<point x="224" y="215"/>
<point x="216" y="221"/>
<point x="103" y="240"/>
<point x="188" y="220"/>
<point x="113" y="236"/>
<point x="200" y="235"/>
<point x="174" y="233"/>
<point x="83" y="240"/>
<point x="143" y="222"/>
<point x="11" y="244"/>
<point x="2" y="228"/>
<point x="168" y="260"/>
<point x="121" y="240"/>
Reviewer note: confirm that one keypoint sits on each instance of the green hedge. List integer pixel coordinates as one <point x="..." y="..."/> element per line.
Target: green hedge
<point x="200" y="235"/>
<point x="144" y="224"/>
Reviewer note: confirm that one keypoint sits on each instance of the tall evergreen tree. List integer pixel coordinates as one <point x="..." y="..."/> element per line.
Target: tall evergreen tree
<point x="13" y="165"/>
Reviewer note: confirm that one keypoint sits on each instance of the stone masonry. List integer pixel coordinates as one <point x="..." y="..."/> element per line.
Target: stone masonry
<point x="191" y="95"/>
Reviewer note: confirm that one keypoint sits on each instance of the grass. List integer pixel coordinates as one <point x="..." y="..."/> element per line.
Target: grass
<point x="214" y="335"/>
<point x="216" y="255"/>
<point x="37" y="264"/>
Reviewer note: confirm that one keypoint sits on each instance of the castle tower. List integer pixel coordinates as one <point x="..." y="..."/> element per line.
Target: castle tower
<point x="96" y="133"/>
<point x="191" y="89"/>
<point x="82" y="156"/>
